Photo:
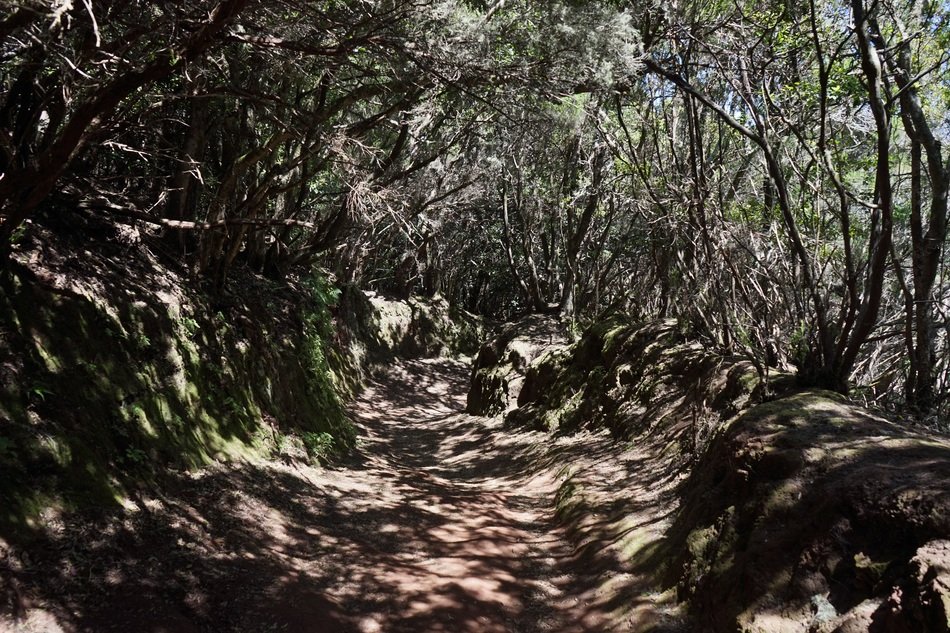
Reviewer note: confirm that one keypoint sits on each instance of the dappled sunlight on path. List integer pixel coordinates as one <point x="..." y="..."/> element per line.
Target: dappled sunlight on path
<point x="482" y="496"/>
<point x="438" y="522"/>
<point x="476" y="546"/>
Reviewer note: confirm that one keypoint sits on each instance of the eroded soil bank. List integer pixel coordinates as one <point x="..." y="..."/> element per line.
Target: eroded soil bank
<point x="797" y="511"/>
<point x="438" y="522"/>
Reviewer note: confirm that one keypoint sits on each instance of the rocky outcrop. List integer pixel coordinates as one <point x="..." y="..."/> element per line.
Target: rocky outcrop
<point x="634" y="380"/>
<point x="373" y="329"/>
<point x="498" y="372"/>
<point x="809" y="514"/>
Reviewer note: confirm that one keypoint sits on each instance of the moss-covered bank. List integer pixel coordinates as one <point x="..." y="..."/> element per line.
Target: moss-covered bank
<point x="634" y="380"/>
<point x="800" y="514"/>
<point x="114" y="367"/>
<point x="498" y="371"/>
<point x="372" y="330"/>
<point x="810" y="514"/>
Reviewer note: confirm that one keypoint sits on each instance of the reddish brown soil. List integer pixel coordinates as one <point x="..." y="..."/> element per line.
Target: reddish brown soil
<point x="439" y="522"/>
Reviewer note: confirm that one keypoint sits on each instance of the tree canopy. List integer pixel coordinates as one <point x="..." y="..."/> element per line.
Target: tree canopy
<point x="773" y="176"/>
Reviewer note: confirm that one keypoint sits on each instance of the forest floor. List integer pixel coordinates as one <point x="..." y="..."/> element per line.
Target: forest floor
<point x="439" y="522"/>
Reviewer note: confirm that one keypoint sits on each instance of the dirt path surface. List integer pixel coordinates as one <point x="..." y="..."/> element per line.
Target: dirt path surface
<point x="439" y="522"/>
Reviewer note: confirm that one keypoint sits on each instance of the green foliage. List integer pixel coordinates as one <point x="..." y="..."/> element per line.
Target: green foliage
<point x="320" y="446"/>
<point x="135" y="456"/>
<point x="190" y="326"/>
<point x="318" y="329"/>
<point x="118" y="409"/>
<point x="324" y="296"/>
<point x="233" y="406"/>
<point x="142" y="341"/>
<point x="39" y="391"/>
<point x="18" y="234"/>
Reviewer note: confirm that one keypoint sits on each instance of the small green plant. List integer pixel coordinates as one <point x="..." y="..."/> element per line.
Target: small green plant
<point x="134" y="456"/>
<point x="233" y="406"/>
<point x="280" y="443"/>
<point x="92" y="367"/>
<point x="18" y="234"/>
<point x="40" y="392"/>
<point x="346" y="434"/>
<point x="132" y="411"/>
<point x="190" y="326"/>
<point x="320" y="446"/>
<point x="142" y="341"/>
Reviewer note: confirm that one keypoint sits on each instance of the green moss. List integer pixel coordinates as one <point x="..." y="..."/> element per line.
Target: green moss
<point x="52" y="363"/>
<point x="57" y="449"/>
<point x="569" y="501"/>
<point x="638" y="544"/>
<point x="749" y="380"/>
<point x="564" y="415"/>
<point x="782" y="499"/>
<point x="699" y="540"/>
<point x="116" y="392"/>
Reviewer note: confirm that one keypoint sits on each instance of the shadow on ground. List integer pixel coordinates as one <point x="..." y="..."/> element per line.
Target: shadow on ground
<point x="437" y="523"/>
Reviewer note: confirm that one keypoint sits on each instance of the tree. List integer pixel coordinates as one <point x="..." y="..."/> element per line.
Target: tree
<point x="70" y="73"/>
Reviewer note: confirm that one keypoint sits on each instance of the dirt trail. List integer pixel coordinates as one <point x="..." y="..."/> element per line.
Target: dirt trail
<point x="465" y="538"/>
<point x="439" y="522"/>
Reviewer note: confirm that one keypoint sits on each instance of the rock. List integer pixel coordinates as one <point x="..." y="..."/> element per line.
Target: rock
<point x="499" y="370"/>
<point x="822" y="609"/>
<point x="857" y="620"/>
<point x="930" y="569"/>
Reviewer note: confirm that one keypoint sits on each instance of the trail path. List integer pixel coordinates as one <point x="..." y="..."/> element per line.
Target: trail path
<point x="460" y="532"/>
<point x="440" y="522"/>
